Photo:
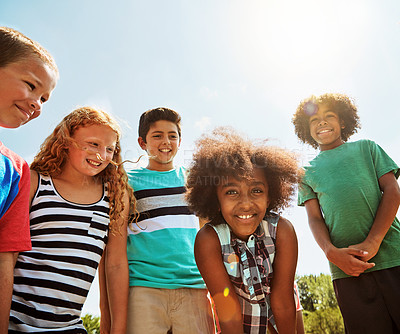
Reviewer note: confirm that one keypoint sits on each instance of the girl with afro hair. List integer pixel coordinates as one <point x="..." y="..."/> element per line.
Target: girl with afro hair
<point x="247" y="253"/>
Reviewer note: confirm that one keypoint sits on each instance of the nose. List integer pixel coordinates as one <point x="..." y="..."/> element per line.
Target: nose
<point x="322" y="122"/>
<point x="166" y="140"/>
<point x="102" y="154"/>
<point x="246" y="201"/>
<point x="35" y="106"/>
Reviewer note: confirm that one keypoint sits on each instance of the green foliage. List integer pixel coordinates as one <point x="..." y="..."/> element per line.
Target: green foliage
<point x="320" y="309"/>
<point x="91" y="323"/>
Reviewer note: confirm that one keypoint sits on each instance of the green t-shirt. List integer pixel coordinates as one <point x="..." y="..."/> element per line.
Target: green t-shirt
<point x="345" y="182"/>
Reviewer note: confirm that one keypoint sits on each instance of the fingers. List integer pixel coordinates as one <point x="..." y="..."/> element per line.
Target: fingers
<point x="357" y="252"/>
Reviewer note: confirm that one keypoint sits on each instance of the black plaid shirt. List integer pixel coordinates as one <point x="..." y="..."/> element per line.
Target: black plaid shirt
<point x="249" y="266"/>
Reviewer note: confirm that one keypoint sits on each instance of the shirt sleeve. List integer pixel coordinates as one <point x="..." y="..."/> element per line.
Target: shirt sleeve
<point x="305" y="193"/>
<point x="382" y="162"/>
<point x="14" y="222"/>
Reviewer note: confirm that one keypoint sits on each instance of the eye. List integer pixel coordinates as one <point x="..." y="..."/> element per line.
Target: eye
<point x="173" y="137"/>
<point x="31" y="85"/>
<point x="93" y="144"/>
<point x="257" y="191"/>
<point x="110" y="149"/>
<point x="43" y="99"/>
<point x="156" y="136"/>
<point x="313" y="120"/>
<point x="231" y="192"/>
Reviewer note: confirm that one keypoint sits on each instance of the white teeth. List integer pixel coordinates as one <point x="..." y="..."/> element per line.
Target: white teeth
<point x="94" y="163"/>
<point x="245" y="216"/>
<point x="165" y="150"/>
<point x="324" y="131"/>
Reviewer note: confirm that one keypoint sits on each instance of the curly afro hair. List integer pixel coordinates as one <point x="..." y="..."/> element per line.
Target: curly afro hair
<point x="341" y="104"/>
<point x="225" y="153"/>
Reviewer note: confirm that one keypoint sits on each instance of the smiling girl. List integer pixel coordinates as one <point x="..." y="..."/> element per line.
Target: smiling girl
<point x="247" y="254"/>
<point x="79" y="211"/>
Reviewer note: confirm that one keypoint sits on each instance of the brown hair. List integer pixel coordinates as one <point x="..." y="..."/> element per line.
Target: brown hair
<point x="225" y="153"/>
<point x="15" y="46"/>
<point x="54" y="153"/>
<point x="341" y="104"/>
<point x="158" y="114"/>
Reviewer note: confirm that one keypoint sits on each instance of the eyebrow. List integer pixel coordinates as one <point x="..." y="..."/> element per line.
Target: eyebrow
<point x="158" y="131"/>
<point x="35" y="77"/>
<point x="233" y="184"/>
<point x="230" y="184"/>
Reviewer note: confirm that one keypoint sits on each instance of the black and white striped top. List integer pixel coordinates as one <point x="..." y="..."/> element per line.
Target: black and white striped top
<point x="51" y="282"/>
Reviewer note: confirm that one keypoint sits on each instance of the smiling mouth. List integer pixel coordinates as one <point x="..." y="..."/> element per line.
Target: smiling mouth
<point x="93" y="163"/>
<point x="165" y="150"/>
<point x="26" y="113"/>
<point x="246" y="216"/>
<point x="324" y="131"/>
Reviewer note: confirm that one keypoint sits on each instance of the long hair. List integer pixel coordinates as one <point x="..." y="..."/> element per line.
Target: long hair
<point x="53" y="155"/>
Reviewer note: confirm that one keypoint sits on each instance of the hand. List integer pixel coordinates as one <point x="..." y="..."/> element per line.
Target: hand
<point x="369" y="247"/>
<point x="349" y="260"/>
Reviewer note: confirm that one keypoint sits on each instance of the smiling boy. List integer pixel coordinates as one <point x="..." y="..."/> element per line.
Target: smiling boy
<point x="28" y="75"/>
<point x="166" y="290"/>
<point x="351" y="196"/>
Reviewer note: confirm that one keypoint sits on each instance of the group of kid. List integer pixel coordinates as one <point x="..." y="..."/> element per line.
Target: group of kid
<point x="73" y="211"/>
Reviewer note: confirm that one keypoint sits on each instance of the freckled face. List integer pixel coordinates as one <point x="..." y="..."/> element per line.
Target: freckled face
<point x="243" y="203"/>
<point x="24" y="86"/>
<point x="326" y="128"/>
<point x="93" y="151"/>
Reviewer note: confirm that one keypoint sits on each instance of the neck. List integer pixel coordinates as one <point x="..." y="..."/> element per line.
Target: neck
<point x="160" y="167"/>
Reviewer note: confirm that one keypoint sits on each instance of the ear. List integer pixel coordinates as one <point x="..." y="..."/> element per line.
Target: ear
<point x="342" y="124"/>
<point x="180" y="139"/>
<point x="142" y="143"/>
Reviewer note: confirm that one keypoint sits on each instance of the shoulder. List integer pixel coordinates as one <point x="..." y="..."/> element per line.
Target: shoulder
<point x="34" y="183"/>
<point x="34" y="176"/>
<point x="206" y="240"/>
<point x="285" y="223"/>
<point x="285" y="230"/>
<point x="13" y="161"/>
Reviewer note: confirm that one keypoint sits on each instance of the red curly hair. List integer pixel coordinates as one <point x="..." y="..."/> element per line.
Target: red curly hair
<point x="53" y="154"/>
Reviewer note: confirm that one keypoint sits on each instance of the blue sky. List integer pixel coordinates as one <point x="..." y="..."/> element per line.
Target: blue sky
<point x="246" y="64"/>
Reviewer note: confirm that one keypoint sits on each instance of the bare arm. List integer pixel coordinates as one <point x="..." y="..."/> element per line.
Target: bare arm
<point x="7" y="263"/>
<point x="207" y="251"/>
<point x="347" y="259"/>
<point x="117" y="274"/>
<point x="385" y="215"/>
<point x="282" y="301"/>
<point x="105" y="319"/>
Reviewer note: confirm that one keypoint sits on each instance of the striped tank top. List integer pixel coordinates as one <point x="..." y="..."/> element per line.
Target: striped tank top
<point x="52" y="281"/>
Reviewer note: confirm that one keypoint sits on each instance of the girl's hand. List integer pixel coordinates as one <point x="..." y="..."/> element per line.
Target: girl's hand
<point x="207" y="251"/>
<point x="348" y="260"/>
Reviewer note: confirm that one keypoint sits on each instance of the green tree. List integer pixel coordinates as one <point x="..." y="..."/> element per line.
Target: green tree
<point x="320" y="309"/>
<point x="91" y="324"/>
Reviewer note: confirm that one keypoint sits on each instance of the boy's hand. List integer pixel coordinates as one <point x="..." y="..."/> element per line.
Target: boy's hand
<point x="370" y="249"/>
<point x="348" y="260"/>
